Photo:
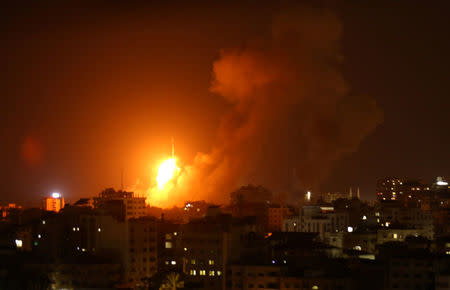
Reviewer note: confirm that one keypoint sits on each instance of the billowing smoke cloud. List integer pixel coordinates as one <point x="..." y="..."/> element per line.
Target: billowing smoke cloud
<point x="292" y="112"/>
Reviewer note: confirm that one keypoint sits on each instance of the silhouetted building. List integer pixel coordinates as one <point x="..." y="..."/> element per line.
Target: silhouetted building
<point x="120" y="204"/>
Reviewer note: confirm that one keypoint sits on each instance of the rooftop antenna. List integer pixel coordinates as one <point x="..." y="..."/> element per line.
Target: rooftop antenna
<point x="173" y="148"/>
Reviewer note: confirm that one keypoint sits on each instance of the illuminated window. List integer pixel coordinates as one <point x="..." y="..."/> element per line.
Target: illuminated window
<point x="349" y="229"/>
<point x="202" y="272"/>
<point x="185" y="249"/>
<point x="211" y="262"/>
<point x="395" y="236"/>
<point x="315" y="287"/>
<point x="173" y="262"/>
<point x="447" y="252"/>
<point x="193" y="272"/>
<point x="219" y="273"/>
<point x="19" y="243"/>
<point x="74" y="229"/>
<point x="168" y="236"/>
<point x="364" y="217"/>
<point x="167" y="262"/>
<point x="193" y="262"/>
<point x="211" y="273"/>
<point x="358" y="248"/>
<point x="168" y="245"/>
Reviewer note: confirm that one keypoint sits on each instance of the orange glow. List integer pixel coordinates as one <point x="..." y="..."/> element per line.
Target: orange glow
<point x="166" y="171"/>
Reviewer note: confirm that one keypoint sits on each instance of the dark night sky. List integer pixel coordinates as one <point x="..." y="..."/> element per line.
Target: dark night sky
<point x="89" y="89"/>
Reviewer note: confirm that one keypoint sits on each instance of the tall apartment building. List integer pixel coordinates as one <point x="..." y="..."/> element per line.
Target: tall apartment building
<point x="121" y="204"/>
<point x="140" y="254"/>
<point x="53" y="203"/>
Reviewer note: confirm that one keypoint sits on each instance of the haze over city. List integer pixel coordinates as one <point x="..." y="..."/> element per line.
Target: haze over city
<point x="291" y="96"/>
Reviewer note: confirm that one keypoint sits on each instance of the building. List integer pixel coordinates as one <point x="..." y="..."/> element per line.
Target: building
<point x="140" y="253"/>
<point x="276" y="215"/>
<point x="5" y="210"/>
<point x="206" y="245"/>
<point x="318" y="219"/>
<point x="170" y="250"/>
<point x="390" y="213"/>
<point x="121" y="204"/>
<point x="397" y="234"/>
<point x="264" y="276"/>
<point x="407" y="268"/>
<point x="54" y="203"/>
<point x="254" y="276"/>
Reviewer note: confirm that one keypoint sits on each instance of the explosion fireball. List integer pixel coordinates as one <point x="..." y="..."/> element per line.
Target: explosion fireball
<point x="166" y="171"/>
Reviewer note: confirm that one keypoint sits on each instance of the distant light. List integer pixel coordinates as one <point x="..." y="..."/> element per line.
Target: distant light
<point x="43" y="222"/>
<point x="349" y="229"/>
<point x="357" y="248"/>
<point x="39" y="236"/>
<point x="442" y="183"/>
<point x="364" y="217"/>
<point x="173" y="262"/>
<point x="395" y="236"/>
<point x="83" y="250"/>
<point x="185" y="249"/>
<point x="308" y="195"/>
<point x="284" y="261"/>
<point x="19" y="243"/>
<point x="56" y="195"/>
<point x="175" y="233"/>
<point x="387" y="224"/>
<point x="78" y="248"/>
<point x="315" y="287"/>
<point x="78" y="229"/>
<point x="99" y="229"/>
<point x="273" y="261"/>
<point x="74" y="229"/>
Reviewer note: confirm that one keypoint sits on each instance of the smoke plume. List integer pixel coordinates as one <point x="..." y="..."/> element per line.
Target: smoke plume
<point x="292" y="111"/>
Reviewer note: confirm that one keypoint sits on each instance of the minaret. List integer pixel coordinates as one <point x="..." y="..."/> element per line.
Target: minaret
<point x="350" y="194"/>
<point x="357" y="194"/>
